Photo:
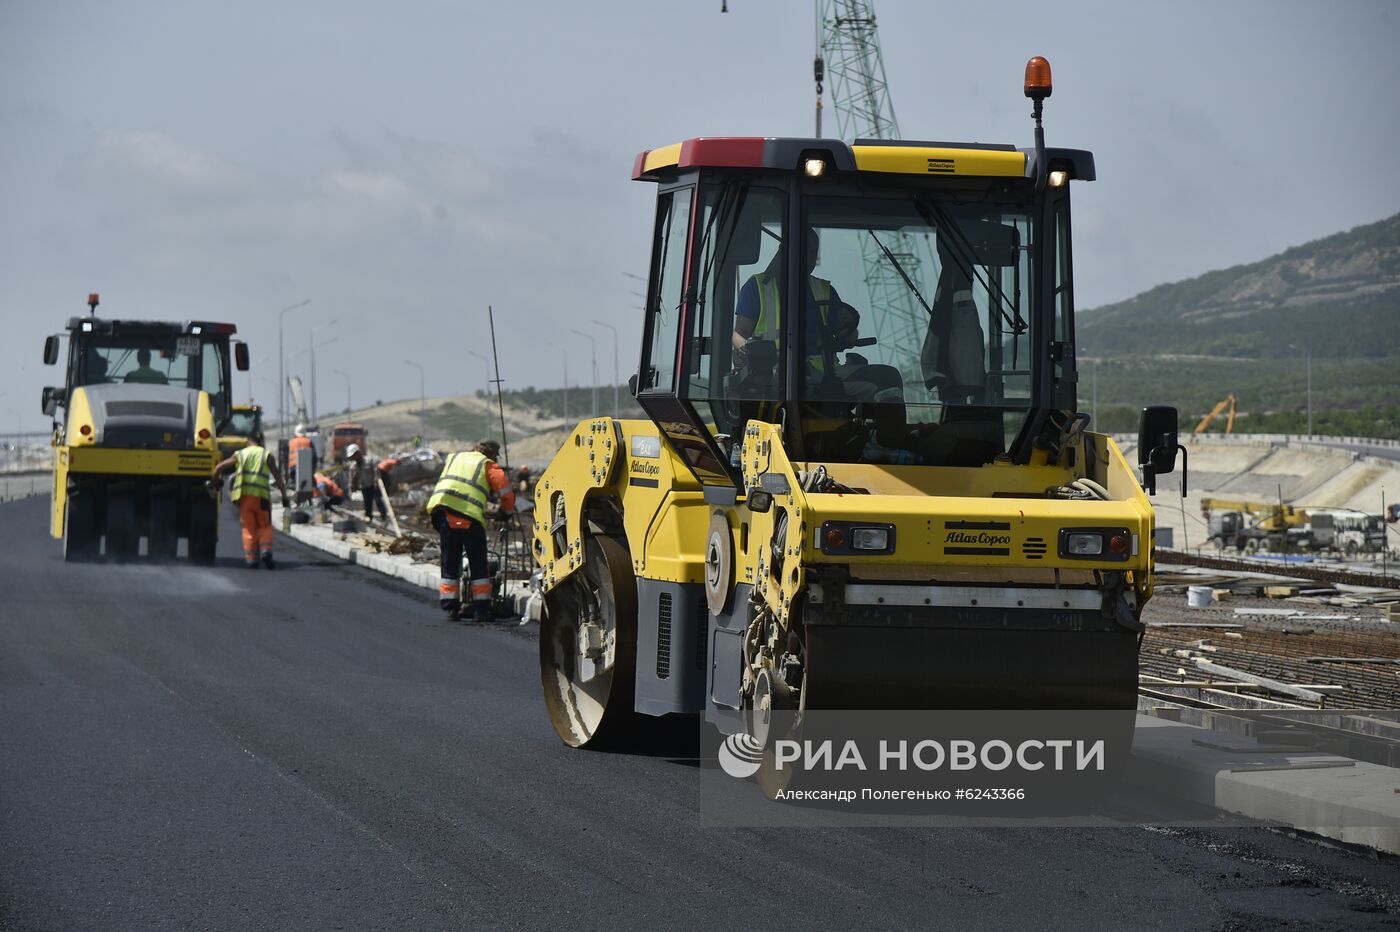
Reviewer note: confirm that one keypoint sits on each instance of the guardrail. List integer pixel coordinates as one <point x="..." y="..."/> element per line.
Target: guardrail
<point x="23" y="485"/>
<point x="1292" y="440"/>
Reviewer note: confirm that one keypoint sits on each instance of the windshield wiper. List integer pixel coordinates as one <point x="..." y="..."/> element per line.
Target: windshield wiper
<point x="962" y="253"/>
<point x="898" y="267"/>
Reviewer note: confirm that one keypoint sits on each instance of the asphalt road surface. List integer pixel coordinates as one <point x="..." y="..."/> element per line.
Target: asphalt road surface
<point x="314" y="747"/>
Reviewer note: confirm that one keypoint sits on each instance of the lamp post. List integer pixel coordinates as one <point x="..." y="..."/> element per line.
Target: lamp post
<point x="281" y="375"/>
<point x="346" y="377"/>
<point x="616" y="409"/>
<point x="311" y="348"/>
<point x="422" y="404"/>
<point x="594" y="363"/>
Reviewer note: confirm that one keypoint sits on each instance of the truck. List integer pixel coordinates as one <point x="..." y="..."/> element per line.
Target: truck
<point x="134" y="434"/>
<point x="1249" y="526"/>
<point x="889" y="500"/>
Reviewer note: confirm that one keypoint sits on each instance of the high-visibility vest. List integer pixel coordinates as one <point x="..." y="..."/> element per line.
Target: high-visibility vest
<point x="769" y="323"/>
<point x="251" y="475"/>
<point x="293" y="445"/>
<point x="328" y="486"/>
<point x="463" y="486"/>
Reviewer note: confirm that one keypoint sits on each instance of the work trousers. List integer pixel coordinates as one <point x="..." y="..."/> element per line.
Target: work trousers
<point x="453" y="542"/>
<point x="255" y="515"/>
<point x="371" y="496"/>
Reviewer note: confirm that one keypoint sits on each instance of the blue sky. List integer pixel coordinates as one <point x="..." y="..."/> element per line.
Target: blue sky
<point x="405" y="165"/>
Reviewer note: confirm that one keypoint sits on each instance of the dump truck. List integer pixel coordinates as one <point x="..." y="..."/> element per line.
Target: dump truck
<point x="135" y="434"/>
<point x="886" y="500"/>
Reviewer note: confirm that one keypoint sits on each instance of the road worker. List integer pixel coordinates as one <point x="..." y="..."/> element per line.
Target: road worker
<point x="328" y="491"/>
<point x="294" y="446"/>
<point x="254" y="470"/>
<point x="458" y="510"/>
<point x="364" y="475"/>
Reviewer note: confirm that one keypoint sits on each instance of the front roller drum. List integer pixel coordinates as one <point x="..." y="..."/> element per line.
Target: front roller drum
<point x="588" y="648"/>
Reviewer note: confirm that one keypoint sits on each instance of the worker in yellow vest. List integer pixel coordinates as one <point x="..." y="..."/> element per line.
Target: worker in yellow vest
<point x="758" y="313"/>
<point x="458" y="511"/>
<point x="254" y="470"/>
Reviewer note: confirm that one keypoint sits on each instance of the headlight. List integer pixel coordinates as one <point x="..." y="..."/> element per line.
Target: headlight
<point x="1084" y="545"/>
<point x="870" y="538"/>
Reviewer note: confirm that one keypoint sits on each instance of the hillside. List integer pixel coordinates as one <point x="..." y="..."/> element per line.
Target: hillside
<point x="1339" y="295"/>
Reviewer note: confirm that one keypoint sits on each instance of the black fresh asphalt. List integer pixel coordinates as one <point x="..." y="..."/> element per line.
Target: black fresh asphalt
<point x="315" y="748"/>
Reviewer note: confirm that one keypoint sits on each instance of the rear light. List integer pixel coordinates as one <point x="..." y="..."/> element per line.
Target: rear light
<point x="85" y="430"/>
<point x="835" y="538"/>
<point x="204" y="433"/>
<point x="1118" y="544"/>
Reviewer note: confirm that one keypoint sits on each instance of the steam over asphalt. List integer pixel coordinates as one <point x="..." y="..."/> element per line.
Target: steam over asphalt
<point x="316" y="748"/>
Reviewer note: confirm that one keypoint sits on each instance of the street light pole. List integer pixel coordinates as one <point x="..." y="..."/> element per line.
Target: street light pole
<point x="594" y="358"/>
<point x="281" y="374"/>
<point x="616" y="410"/>
<point x="346" y="376"/>
<point x="311" y="348"/>
<point x="422" y="404"/>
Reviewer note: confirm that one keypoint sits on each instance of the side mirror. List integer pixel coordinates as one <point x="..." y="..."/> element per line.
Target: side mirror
<point x="240" y="356"/>
<point x="1158" y="446"/>
<point x="760" y="500"/>
<point x="53" y="397"/>
<point x="51" y="350"/>
<point x="632" y="384"/>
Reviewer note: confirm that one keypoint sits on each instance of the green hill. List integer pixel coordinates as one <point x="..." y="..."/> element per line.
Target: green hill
<point x="1339" y="295"/>
<point x="1250" y="330"/>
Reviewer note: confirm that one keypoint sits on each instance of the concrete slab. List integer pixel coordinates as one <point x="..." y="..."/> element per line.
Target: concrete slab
<point x="1351" y="801"/>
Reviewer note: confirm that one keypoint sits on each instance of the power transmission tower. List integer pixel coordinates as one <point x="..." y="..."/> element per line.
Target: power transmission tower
<point x="860" y="95"/>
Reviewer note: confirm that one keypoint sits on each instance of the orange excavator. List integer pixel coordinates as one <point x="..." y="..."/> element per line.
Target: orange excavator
<point x="1215" y="412"/>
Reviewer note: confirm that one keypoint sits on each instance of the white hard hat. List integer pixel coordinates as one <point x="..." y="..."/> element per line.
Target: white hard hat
<point x="300" y="430"/>
<point x="352" y="450"/>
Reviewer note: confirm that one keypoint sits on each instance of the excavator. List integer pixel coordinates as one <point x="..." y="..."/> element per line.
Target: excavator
<point x="1228" y="402"/>
<point x="848" y="507"/>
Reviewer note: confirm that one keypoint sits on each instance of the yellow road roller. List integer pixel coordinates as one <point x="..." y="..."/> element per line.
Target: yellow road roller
<point x="864" y="482"/>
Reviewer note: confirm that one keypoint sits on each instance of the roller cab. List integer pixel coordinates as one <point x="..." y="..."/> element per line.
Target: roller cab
<point x="865" y="481"/>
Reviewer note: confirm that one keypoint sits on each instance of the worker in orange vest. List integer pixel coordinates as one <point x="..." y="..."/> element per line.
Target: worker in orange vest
<point x="294" y="446"/>
<point x="329" y="491"/>
<point x="254" y="469"/>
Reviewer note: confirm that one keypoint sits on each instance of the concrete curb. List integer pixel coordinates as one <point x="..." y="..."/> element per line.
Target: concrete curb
<point x="323" y="538"/>
<point x="1350" y="801"/>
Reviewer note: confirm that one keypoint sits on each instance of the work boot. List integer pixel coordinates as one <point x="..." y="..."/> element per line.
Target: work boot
<point x="267" y="561"/>
<point x="250" y="564"/>
<point x="482" y="613"/>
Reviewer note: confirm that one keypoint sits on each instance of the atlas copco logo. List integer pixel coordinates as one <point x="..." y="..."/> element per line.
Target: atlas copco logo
<point x="740" y="755"/>
<point x="961" y="537"/>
